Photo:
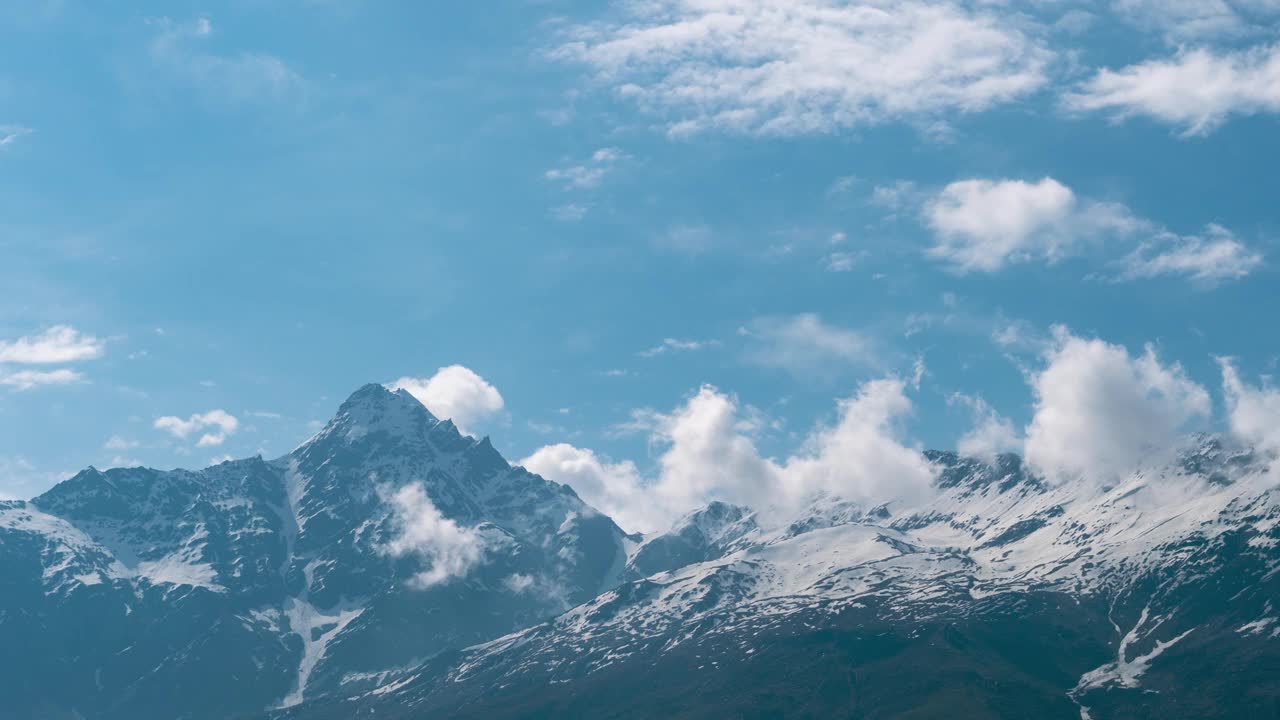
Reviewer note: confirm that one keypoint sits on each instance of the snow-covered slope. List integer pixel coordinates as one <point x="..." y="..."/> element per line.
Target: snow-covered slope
<point x="257" y="584"/>
<point x="392" y="566"/>
<point x="1173" y="557"/>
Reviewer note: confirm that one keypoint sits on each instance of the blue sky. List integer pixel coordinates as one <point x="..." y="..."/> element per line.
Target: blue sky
<point x="253" y="207"/>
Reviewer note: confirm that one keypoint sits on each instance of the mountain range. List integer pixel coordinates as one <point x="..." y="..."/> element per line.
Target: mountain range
<point x="393" y="567"/>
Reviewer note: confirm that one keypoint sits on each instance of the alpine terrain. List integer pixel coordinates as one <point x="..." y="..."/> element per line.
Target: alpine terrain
<point x="392" y="567"/>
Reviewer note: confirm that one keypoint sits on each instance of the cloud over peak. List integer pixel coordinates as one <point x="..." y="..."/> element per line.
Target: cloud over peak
<point x="456" y="393"/>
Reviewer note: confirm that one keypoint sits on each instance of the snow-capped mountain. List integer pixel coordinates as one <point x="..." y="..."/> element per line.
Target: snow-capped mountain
<point x="394" y="568"/>
<point x="249" y="585"/>
<point x="1002" y="597"/>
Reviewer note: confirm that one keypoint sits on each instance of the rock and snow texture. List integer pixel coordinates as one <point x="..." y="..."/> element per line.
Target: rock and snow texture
<point x="391" y="560"/>
<point x="282" y="573"/>
<point x="1153" y="547"/>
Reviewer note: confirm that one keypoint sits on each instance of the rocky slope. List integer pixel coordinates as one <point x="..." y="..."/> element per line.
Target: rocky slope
<point x="1001" y="597"/>
<point x="391" y="567"/>
<point x="258" y="584"/>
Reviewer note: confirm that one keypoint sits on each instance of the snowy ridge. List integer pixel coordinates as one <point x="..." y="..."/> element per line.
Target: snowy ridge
<point x="991" y="534"/>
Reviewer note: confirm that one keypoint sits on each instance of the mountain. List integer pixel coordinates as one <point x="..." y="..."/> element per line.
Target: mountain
<point x="391" y="567"/>
<point x="256" y="584"/>
<point x="1002" y="597"/>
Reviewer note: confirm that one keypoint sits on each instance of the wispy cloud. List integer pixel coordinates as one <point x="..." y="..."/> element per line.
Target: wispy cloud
<point x="805" y="344"/>
<point x="58" y="344"/>
<point x="1196" y="90"/>
<point x="185" y="50"/>
<point x="674" y="345"/>
<point x="588" y="174"/>
<point x="787" y="67"/>
<point x="1207" y="259"/>
<point x="31" y="379"/>
<point x="10" y="134"/>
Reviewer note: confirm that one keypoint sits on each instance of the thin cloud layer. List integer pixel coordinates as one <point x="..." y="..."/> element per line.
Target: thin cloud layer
<point x="790" y="67"/>
<point x="805" y="344"/>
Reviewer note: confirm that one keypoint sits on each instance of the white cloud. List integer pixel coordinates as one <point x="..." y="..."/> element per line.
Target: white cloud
<point x="1100" y="413"/>
<point x="58" y="344"/>
<point x="1253" y="413"/>
<point x="676" y="345"/>
<point x="862" y="456"/>
<point x="1207" y="259"/>
<point x="31" y="379"/>
<point x="456" y="393"/>
<point x="588" y="174"/>
<point x="449" y="550"/>
<point x="616" y="489"/>
<point x="710" y="454"/>
<point x="991" y="434"/>
<point x="219" y="425"/>
<point x="786" y="67"/>
<point x="805" y="344"/>
<point x="10" y="134"/>
<point x="1196" y="90"/>
<point x="984" y="225"/>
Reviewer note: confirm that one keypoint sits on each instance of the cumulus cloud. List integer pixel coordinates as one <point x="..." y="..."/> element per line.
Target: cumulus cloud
<point x="710" y="454"/>
<point x="214" y="427"/>
<point x="991" y="434"/>
<point x="449" y="550"/>
<point x="805" y="344"/>
<point x="1100" y="412"/>
<point x="58" y="344"/>
<point x="1253" y="413"/>
<point x="616" y="489"/>
<point x="985" y="225"/>
<point x="456" y="393"/>
<point x="787" y="67"/>
<point x="1195" y="90"/>
<point x="863" y="456"/>
<point x="1206" y="259"/>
